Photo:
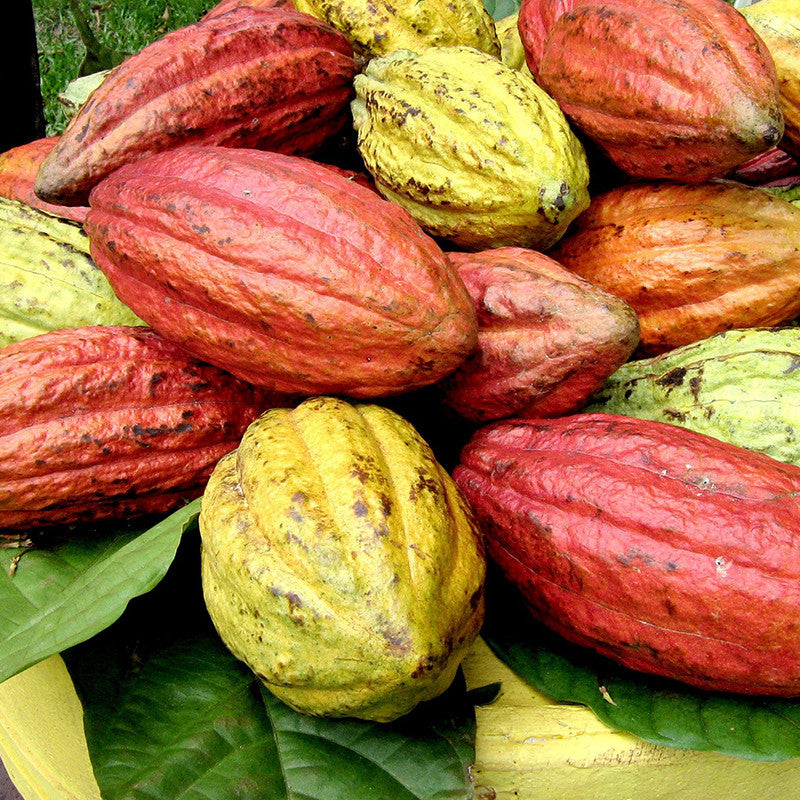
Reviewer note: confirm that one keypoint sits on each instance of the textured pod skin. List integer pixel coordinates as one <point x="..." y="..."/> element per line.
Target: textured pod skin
<point x="546" y="338"/>
<point x="473" y="149"/>
<point x="226" y="5"/>
<point x="777" y="22"/>
<point x="666" y="550"/>
<point x="301" y="281"/>
<point x="772" y="165"/>
<point x="692" y="260"/>
<point x="678" y="89"/>
<point x="48" y="280"/>
<point x="110" y="421"/>
<point x="738" y="386"/>
<point x="340" y="561"/>
<point x="379" y="27"/>
<point x="19" y="167"/>
<point x="267" y="78"/>
<point x="534" y="20"/>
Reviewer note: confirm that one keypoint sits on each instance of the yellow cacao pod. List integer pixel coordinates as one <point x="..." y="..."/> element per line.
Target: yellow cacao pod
<point x="472" y="148"/>
<point x="340" y="561"/>
<point x="379" y="27"/>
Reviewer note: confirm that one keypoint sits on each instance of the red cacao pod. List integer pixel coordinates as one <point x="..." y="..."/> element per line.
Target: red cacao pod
<point x="535" y="19"/>
<point x="679" y="89"/>
<point x="282" y="271"/>
<point x="226" y="5"/>
<point x="103" y="422"/>
<point x="772" y="165"/>
<point x="664" y="549"/>
<point x="547" y="339"/>
<point x="19" y="167"/>
<point x="267" y="78"/>
<point x="692" y="260"/>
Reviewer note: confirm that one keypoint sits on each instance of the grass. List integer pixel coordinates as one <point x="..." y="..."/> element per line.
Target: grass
<point x="120" y="26"/>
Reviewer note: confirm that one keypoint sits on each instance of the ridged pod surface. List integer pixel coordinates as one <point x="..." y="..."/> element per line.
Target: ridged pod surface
<point x="340" y="561"/>
<point x="475" y="150"/>
<point x="666" y="550"/>
<point x="227" y="5"/>
<point x="738" y="386"/>
<point x="546" y="338"/>
<point x="19" y="167"/>
<point x="48" y="280"/>
<point x="282" y="271"/>
<point x="512" y="53"/>
<point x="379" y="27"/>
<point x="111" y="421"/>
<point x="777" y="22"/>
<point x="679" y="89"/>
<point x="267" y="78"/>
<point x="692" y="260"/>
<point x="534" y="20"/>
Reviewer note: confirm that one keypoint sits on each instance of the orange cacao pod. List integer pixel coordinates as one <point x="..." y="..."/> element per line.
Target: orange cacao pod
<point x="664" y="549"/>
<point x="692" y="260"/>
<point x="18" y="169"/>
<point x="546" y="338"/>
<point x="102" y="422"/>
<point x="267" y="78"/>
<point x="282" y="271"/>
<point x="679" y="89"/>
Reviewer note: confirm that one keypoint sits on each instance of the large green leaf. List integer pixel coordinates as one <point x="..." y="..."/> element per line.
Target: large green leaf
<point x="661" y="711"/>
<point x="500" y="9"/>
<point x="171" y="715"/>
<point x="56" y="595"/>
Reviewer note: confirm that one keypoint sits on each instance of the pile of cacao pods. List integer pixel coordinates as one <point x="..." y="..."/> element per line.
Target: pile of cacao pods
<point x="560" y="233"/>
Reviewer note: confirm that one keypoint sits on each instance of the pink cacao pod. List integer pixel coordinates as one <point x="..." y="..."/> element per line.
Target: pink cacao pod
<point x="19" y="167"/>
<point x="680" y="89"/>
<point x="103" y="422"/>
<point x="268" y="78"/>
<point x="664" y="549"/>
<point x="547" y="339"/>
<point x="535" y="19"/>
<point x="226" y="5"/>
<point x="281" y="271"/>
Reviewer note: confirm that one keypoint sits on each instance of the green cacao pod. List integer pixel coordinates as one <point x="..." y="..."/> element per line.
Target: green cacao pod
<point x="301" y="280"/>
<point x="675" y="89"/>
<point x="267" y="78"/>
<point x="48" y="279"/>
<point x="739" y="386"/>
<point x="546" y="338"/>
<point x="664" y="549"/>
<point x="472" y="148"/>
<point x="111" y="421"/>
<point x="340" y="561"/>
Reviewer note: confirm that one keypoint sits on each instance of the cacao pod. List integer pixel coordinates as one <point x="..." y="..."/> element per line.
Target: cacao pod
<point x="512" y="53"/>
<point x="379" y="27"/>
<point x="267" y="78"/>
<point x="692" y="260"/>
<point x="678" y="89"/>
<point x="226" y="5"/>
<point x="546" y="338"/>
<point x="777" y="22"/>
<point x="534" y="20"/>
<point x="110" y="421"/>
<point x="473" y="149"/>
<point x="340" y="561"/>
<point x="18" y="169"/>
<point x="664" y="549"/>
<point x="738" y="386"/>
<point x="48" y="280"/>
<point x="282" y="271"/>
<point x="772" y="165"/>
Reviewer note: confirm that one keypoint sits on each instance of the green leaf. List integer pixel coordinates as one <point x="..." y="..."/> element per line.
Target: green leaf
<point x="500" y="9"/>
<point x="55" y="596"/>
<point x="657" y="710"/>
<point x="170" y="714"/>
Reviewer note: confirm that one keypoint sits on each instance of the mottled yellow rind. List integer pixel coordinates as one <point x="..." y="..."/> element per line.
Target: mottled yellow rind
<point x="379" y="27"/>
<point x="340" y="561"/>
<point x="48" y="280"/>
<point x="777" y="22"/>
<point x="472" y="148"/>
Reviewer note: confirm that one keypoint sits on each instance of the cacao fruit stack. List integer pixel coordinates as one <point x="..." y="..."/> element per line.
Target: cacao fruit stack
<point x="229" y="168"/>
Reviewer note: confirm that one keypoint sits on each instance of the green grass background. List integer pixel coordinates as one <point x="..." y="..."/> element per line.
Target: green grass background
<point x="125" y="26"/>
